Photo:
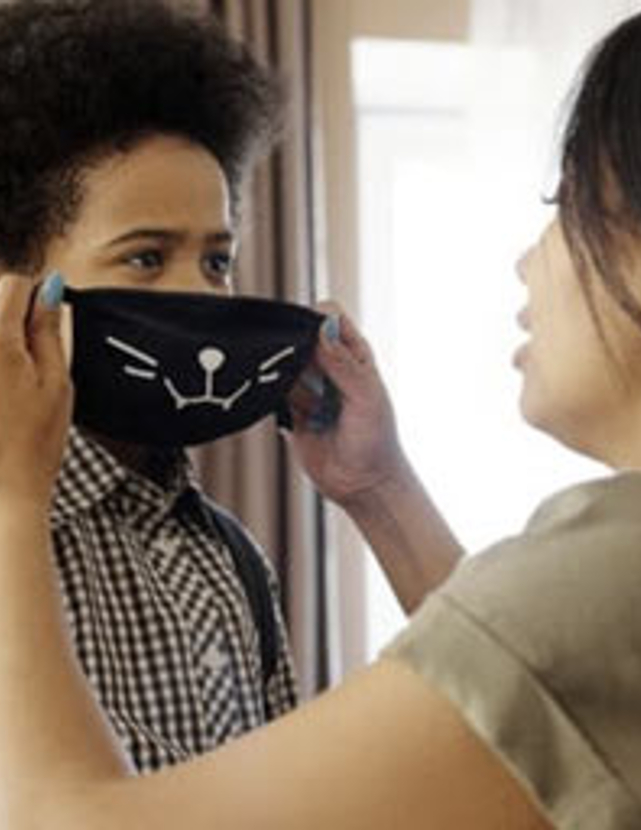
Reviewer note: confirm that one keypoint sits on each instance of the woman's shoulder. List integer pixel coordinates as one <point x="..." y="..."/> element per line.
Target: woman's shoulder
<point x="610" y="499"/>
<point x="587" y="529"/>
<point x="536" y="642"/>
<point x="560" y="598"/>
<point x="573" y="574"/>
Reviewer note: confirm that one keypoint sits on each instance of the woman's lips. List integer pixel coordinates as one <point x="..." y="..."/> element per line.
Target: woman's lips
<point x="520" y="356"/>
<point x="524" y="319"/>
<point x="525" y="322"/>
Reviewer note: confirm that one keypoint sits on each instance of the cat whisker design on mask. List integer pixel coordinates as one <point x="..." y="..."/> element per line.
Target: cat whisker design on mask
<point x="211" y="360"/>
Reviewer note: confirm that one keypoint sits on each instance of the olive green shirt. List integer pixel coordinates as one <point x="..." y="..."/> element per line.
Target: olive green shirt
<point x="538" y="643"/>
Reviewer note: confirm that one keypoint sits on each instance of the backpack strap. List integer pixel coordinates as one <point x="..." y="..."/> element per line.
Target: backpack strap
<point x="251" y="570"/>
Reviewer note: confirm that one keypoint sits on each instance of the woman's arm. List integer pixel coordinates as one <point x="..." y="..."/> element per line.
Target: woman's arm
<point x="409" y="537"/>
<point x="383" y="751"/>
<point x="46" y="713"/>
<point x="360" y="465"/>
<point x="46" y="716"/>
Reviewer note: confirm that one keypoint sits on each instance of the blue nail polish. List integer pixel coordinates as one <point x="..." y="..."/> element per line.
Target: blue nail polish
<point x="332" y="327"/>
<point x="52" y="290"/>
<point x="313" y="381"/>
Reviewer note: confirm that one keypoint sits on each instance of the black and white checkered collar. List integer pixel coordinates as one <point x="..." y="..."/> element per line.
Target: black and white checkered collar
<point x="91" y="474"/>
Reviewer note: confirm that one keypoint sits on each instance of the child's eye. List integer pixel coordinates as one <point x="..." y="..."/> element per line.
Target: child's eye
<point x="146" y="260"/>
<point x="218" y="266"/>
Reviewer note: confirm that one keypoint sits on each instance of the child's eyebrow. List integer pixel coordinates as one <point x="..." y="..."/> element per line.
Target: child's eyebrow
<point x="222" y="237"/>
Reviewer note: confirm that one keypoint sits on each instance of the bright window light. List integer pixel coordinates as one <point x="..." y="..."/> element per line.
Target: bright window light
<point x="449" y="193"/>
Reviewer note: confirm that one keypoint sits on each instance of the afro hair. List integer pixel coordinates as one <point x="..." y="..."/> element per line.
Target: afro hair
<point x="80" y="79"/>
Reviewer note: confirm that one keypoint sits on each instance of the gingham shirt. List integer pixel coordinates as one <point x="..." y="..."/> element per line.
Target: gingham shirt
<point x="158" y="615"/>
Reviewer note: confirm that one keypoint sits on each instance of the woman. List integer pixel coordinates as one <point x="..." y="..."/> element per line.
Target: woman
<point x="512" y="699"/>
<point x="127" y="131"/>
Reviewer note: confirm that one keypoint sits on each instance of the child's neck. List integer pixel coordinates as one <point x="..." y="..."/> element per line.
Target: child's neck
<point x="144" y="460"/>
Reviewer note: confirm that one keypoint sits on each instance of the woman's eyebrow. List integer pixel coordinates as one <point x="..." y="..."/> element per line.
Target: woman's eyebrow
<point x="222" y="237"/>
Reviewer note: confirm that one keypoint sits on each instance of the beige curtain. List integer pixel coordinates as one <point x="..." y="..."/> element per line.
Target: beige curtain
<point x="252" y="474"/>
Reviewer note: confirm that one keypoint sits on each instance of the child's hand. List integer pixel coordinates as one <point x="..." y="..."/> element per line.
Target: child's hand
<point x="35" y="389"/>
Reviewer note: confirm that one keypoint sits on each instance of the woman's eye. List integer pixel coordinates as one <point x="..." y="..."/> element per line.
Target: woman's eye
<point x="146" y="260"/>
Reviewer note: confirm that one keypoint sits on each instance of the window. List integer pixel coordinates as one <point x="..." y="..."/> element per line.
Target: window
<point x="449" y="186"/>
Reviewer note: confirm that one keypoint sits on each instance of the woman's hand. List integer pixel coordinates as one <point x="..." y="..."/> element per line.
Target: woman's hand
<point x="360" y="452"/>
<point x="35" y="390"/>
<point x="358" y="463"/>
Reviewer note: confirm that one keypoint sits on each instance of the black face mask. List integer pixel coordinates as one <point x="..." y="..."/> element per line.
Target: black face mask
<point x="177" y="369"/>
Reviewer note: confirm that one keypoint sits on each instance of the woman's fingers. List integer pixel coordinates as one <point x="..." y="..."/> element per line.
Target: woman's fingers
<point x="30" y="341"/>
<point x="353" y="340"/>
<point x="30" y="325"/>
<point x="16" y="294"/>
<point x="35" y="392"/>
<point x="347" y="359"/>
<point x="343" y="384"/>
<point x="45" y="332"/>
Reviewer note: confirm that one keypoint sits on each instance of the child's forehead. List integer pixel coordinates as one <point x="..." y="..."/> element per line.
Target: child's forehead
<point x="162" y="185"/>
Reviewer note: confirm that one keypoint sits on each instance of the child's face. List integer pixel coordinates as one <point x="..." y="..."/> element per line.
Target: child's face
<point x="156" y="217"/>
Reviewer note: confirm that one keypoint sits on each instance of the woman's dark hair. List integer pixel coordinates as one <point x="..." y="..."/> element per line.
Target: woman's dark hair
<point x="80" y="79"/>
<point x="600" y="191"/>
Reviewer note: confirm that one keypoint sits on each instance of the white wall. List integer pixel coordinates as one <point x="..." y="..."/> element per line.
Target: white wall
<point x="421" y="19"/>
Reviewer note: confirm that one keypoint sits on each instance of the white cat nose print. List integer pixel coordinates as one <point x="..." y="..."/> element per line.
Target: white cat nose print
<point x="211" y="359"/>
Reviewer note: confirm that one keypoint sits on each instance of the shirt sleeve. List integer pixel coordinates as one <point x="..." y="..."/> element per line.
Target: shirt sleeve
<point x="538" y="643"/>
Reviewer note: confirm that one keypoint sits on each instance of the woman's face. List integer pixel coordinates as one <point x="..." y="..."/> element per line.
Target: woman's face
<point x="572" y="386"/>
<point x="155" y="217"/>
